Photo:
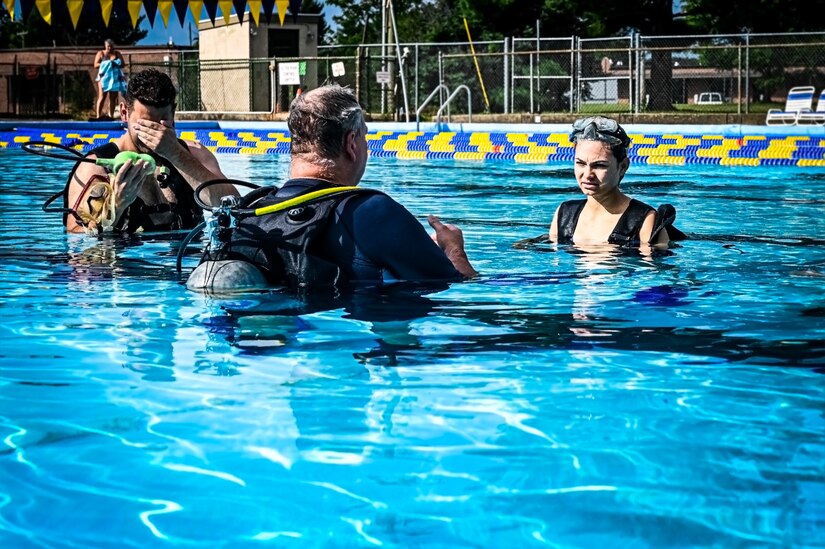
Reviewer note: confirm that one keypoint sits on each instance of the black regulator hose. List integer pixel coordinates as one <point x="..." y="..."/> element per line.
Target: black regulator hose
<point x="206" y="184"/>
<point x="182" y="248"/>
<point x="43" y="148"/>
<point x="40" y="148"/>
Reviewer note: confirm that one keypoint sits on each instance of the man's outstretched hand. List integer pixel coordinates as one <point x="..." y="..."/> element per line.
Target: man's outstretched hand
<point x="451" y="240"/>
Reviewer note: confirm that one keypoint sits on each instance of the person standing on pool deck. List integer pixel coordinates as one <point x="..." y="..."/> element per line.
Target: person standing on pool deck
<point x="607" y="215"/>
<point x="141" y="201"/>
<point x="110" y="78"/>
<point x="369" y="238"/>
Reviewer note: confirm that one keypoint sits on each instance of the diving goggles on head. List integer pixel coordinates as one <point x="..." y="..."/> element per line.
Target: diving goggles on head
<point x="599" y="128"/>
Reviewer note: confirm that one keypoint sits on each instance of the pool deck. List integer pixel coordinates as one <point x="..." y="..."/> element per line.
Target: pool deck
<point x="673" y="144"/>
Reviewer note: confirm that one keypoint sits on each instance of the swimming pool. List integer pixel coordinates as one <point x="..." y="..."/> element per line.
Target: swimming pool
<point x="564" y="398"/>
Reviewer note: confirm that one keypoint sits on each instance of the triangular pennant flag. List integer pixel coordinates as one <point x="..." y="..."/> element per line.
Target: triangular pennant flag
<point x="226" y="10"/>
<point x="106" y="11"/>
<point x="10" y="8"/>
<point x="134" y="10"/>
<point x="281" y="5"/>
<point x="268" y="6"/>
<point x="196" y="9"/>
<point x="240" y="8"/>
<point x="211" y="9"/>
<point x="75" y="7"/>
<point x="45" y="9"/>
<point x="180" y="9"/>
<point x="151" y="7"/>
<point x="255" y="10"/>
<point x="165" y="7"/>
<point x="25" y="9"/>
<point x="294" y="9"/>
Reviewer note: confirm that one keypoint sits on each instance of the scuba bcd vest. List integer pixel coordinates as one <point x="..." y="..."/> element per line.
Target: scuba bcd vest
<point x="626" y="231"/>
<point x="286" y="243"/>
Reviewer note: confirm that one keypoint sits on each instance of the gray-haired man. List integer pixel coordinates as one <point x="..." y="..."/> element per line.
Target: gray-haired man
<point x="352" y="237"/>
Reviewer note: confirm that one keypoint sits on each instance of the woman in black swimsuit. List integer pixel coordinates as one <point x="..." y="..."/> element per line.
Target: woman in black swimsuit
<point x="606" y="215"/>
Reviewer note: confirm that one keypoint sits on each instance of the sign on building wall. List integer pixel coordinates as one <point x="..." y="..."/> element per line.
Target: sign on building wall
<point x="289" y="74"/>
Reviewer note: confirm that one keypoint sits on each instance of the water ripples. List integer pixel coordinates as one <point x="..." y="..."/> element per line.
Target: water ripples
<point x="563" y="398"/>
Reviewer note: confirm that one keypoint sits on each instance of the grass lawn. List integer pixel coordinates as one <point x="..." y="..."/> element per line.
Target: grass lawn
<point x="618" y="108"/>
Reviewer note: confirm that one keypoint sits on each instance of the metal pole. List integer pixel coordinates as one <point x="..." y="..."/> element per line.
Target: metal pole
<point x="577" y="95"/>
<point x="513" y="76"/>
<point x="572" y="71"/>
<point x="440" y="78"/>
<point x="416" y="75"/>
<point x="747" y="73"/>
<point x="400" y="64"/>
<point x="358" y="73"/>
<point x="631" y="74"/>
<point x="630" y="85"/>
<point x="739" y="82"/>
<point x="640" y="73"/>
<point x="531" y="82"/>
<point x="383" y="54"/>
<point x="538" y="63"/>
<point x="506" y="77"/>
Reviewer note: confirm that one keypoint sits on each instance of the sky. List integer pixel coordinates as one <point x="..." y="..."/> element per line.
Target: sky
<point x="180" y="35"/>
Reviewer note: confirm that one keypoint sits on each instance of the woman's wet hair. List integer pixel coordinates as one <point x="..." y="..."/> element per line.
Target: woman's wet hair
<point x="152" y="88"/>
<point x="319" y="121"/>
<point x="603" y="129"/>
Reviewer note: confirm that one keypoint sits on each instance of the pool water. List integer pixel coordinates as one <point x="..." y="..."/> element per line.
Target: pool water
<point x="564" y="398"/>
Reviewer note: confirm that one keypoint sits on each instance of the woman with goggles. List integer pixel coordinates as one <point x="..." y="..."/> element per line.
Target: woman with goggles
<point x="607" y="215"/>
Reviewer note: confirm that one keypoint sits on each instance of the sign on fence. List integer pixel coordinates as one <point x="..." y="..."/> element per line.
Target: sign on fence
<point x="289" y="74"/>
<point x="382" y="77"/>
<point x="338" y="69"/>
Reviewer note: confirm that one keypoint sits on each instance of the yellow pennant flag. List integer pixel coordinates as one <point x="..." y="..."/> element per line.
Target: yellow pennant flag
<point x="134" y="10"/>
<point x="196" y="10"/>
<point x="165" y="8"/>
<point x="254" y="10"/>
<point x="106" y="10"/>
<point x="45" y="9"/>
<point x="281" y="5"/>
<point x="75" y="7"/>
<point x="10" y="8"/>
<point x="226" y="9"/>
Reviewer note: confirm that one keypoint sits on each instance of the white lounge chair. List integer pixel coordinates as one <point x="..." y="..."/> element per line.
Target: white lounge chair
<point x="799" y="100"/>
<point x="814" y="117"/>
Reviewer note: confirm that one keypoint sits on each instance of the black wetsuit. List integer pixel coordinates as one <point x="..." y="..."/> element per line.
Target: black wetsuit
<point x="368" y="236"/>
<point x="187" y="214"/>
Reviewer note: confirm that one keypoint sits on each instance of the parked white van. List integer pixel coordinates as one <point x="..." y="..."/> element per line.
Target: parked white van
<point x="708" y="98"/>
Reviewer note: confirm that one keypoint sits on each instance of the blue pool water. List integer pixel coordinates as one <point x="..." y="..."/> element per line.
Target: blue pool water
<point x="564" y="398"/>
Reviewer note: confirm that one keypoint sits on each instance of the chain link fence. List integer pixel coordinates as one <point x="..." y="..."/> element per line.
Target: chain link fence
<point x="745" y="73"/>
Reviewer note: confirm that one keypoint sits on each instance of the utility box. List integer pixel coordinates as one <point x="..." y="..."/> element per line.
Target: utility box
<point x="238" y="61"/>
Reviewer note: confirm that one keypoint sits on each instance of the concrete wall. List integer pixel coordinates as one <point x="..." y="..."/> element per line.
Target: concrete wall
<point x="225" y="86"/>
<point x="236" y="86"/>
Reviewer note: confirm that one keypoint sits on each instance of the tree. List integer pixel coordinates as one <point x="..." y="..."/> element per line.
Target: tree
<point x="769" y="56"/>
<point x="734" y="16"/>
<point x="91" y="30"/>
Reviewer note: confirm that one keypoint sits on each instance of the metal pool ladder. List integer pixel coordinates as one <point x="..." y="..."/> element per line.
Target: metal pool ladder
<point x="445" y="105"/>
